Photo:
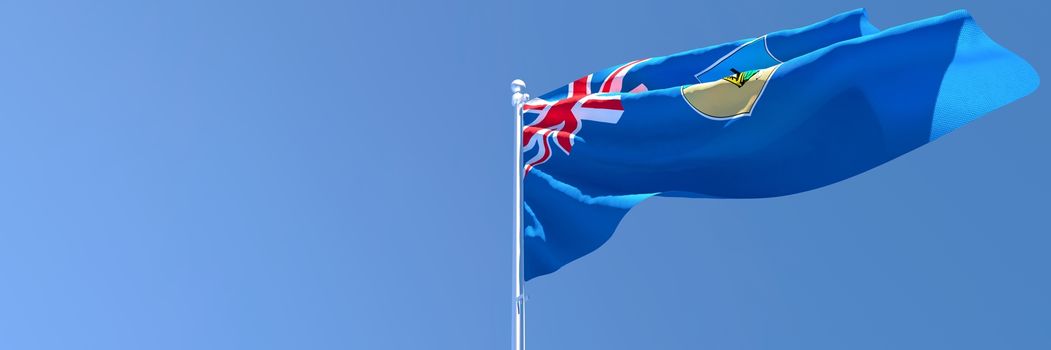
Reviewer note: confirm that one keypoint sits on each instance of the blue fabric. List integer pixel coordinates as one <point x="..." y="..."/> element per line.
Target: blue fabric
<point x="846" y="98"/>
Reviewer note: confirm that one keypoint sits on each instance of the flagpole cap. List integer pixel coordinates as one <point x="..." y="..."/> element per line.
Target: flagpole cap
<point x="517" y="85"/>
<point x="519" y="97"/>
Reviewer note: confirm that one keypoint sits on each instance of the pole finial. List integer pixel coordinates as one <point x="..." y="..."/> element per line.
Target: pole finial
<point x="519" y="97"/>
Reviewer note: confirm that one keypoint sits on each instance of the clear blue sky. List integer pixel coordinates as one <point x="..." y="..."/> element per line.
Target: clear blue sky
<point x="337" y="175"/>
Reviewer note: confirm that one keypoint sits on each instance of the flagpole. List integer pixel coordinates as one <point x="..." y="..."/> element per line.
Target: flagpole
<point x="518" y="100"/>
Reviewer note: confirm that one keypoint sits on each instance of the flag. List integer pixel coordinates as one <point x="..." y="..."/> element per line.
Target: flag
<point x="770" y="116"/>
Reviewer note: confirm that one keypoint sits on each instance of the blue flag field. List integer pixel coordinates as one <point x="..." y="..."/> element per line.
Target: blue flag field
<point x="770" y="116"/>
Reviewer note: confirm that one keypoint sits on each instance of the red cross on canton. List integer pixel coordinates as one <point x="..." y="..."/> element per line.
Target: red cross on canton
<point x="560" y="119"/>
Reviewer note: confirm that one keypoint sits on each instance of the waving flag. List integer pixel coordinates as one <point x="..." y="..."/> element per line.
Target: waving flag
<point x="770" y="116"/>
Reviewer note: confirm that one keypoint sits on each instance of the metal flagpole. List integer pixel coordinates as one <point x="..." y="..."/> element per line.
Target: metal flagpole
<point x="518" y="100"/>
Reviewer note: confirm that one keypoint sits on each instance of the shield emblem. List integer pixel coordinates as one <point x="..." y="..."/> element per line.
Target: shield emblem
<point x="731" y="97"/>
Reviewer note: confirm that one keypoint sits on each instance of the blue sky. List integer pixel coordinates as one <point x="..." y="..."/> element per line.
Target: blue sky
<point x="337" y="175"/>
